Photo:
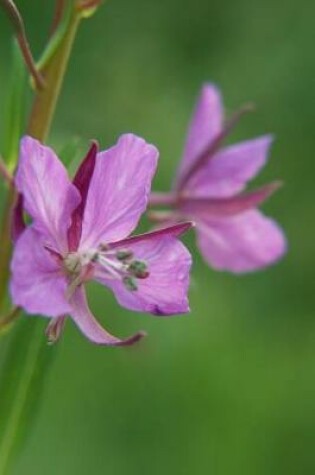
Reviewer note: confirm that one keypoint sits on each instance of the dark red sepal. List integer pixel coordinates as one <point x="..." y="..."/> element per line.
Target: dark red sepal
<point x="82" y="182"/>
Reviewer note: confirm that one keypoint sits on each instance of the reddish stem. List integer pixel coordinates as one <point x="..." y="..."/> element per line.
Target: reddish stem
<point x="17" y="21"/>
<point x="59" y="9"/>
<point x="157" y="199"/>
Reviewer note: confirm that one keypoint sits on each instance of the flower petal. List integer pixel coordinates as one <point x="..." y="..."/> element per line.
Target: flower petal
<point x="37" y="284"/>
<point x="222" y="207"/>
<point x="228" y="171"/>
<point x="164" y="291"/>
<point x="119" y="189"/>
<point x="84" y="319"/>
<point x="206" y="123"/>
<point x="241" y="243"/>
<point x="49" y="196"/>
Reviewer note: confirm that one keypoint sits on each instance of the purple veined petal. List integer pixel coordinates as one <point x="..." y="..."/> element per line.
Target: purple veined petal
<point x="164" y="291"/>
<point x="90" y="328"/>
<point x="229" y="170"/>
<point x="216" y="208"/>
<point x="49" y="196"/>
<point x="37" y="284"/>
<point x="81" y="181"/>
<point x="119" y="190"/>
<point x="242" y="243"/>
<point x="212" y="148"/>
<point x="206" y="123"/>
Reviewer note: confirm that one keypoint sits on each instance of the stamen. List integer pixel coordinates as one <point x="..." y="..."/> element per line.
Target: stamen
<point x="55" y="328"/>
<point x="130" y="283"/>
<point x="116" y="264"/>
<point x="139" y="269"/>
<point x="110" y="266"/>
<point x="124" y="255"/>
<point x="103" y="247"/>
<point x="119" y="265"/>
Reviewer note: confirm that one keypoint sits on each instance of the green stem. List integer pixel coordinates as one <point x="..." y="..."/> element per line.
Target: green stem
<point x="45" y="100"/>
<point x="9" y="318"/>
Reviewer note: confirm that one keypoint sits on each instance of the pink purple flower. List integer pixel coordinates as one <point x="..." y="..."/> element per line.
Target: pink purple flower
<point x="232" y="234"/>
<point x="79" y="232"/>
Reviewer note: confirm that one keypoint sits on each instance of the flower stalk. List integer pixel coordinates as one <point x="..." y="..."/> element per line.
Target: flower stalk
<point x="45" y="100"/>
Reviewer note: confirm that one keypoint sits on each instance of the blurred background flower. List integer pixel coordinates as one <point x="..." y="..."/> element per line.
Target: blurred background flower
<point x="231" y="387"/>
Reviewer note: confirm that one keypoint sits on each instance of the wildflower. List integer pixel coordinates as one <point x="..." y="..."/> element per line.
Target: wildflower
<point x="232" y="233"/>
<point x="79" y="232"/>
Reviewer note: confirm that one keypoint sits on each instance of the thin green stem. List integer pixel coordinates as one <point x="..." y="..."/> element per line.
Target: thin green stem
<point x="7" y="320"/>
<point x="18" y="24"/>
<point x="15" y="108"/>
<point x="45" y="100"/>
<point x="59" y="10"/>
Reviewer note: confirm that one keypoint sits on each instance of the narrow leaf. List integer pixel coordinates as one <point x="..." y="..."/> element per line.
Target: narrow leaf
<point x="15" y="109"/>
<point x="23" y="374"/>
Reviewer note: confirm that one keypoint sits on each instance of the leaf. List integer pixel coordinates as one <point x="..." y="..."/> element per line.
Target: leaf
<point x="24" y="371"/>
<point x="14" y="114"/>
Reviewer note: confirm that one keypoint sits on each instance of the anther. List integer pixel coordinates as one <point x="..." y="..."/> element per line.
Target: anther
<point x="103" y="247"/>
<point x="130" y="283"/>
<point x="124" y="255"/>
<point x="138" y="269"/>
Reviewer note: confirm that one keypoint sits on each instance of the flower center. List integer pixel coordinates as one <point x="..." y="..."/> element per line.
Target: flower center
<point x="121" y="264"/>
<point x="72" y="264"/>
<point x="75" y="262"/>
<point x="77" y="267"/>
<point x="116" y="264"/>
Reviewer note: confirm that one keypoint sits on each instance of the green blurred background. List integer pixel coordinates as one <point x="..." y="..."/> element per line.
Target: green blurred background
<point x="230" y="388"/>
